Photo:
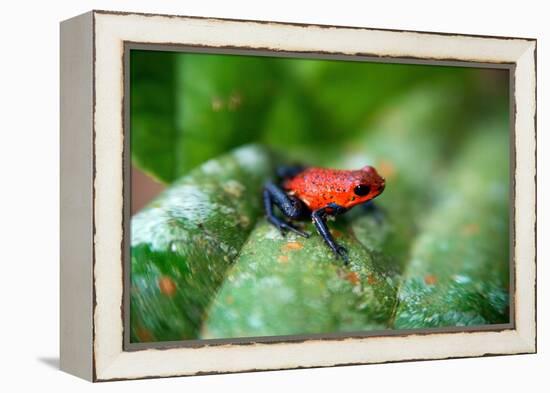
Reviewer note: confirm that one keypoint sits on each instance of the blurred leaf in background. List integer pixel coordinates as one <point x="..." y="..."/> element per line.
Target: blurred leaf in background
<point x="202" y="106"/>
<point x="458" y="273"/>
<point x="152" y="113"/>
<point x="188" y="108"/>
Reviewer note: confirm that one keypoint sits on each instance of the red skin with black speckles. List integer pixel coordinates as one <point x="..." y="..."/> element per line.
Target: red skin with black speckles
<point x="318" y="187"/>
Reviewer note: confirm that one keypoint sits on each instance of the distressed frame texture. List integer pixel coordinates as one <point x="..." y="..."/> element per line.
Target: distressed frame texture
<point x="94" y="164"/>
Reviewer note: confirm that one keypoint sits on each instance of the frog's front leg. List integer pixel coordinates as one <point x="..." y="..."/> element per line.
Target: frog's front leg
<point x="289" y="205"/>
<point x="319" y="220"/>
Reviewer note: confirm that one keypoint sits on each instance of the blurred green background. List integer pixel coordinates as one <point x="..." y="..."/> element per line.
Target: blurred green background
<point x="208" y="129"/>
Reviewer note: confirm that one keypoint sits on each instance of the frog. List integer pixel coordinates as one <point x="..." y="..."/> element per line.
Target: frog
<point x="317" y="193"/>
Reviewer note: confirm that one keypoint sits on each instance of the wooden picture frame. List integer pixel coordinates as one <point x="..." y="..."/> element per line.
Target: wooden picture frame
<point x="94" y="165"/>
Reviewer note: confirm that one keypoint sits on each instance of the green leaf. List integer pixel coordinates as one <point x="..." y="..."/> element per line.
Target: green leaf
<point x="349" y="95"/>
<point x="182" y="243"/>
<point x="152" y="113"/>
<point x="291" y="285"/>
<point x="458" y="274"/>
<point x="224" y="279"/>
<point x="188" y="108"/>
<point x="222" y="100"/>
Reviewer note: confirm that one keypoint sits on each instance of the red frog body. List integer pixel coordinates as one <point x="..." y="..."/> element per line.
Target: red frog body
<point x="317" y="193"/>
<point x="320" y="187"/>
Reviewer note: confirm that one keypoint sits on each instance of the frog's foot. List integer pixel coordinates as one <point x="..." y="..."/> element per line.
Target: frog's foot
<point x="341" y="252"/>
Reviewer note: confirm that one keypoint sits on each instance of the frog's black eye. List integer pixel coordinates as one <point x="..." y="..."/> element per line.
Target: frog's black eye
<point x="361" y="190"/>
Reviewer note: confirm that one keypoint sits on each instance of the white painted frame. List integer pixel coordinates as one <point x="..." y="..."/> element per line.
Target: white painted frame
<point x="92" y="143"/>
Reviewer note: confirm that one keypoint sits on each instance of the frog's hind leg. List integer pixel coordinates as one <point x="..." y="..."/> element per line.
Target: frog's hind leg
<point x="289" y="205"/>
<point x="289" y="171"/>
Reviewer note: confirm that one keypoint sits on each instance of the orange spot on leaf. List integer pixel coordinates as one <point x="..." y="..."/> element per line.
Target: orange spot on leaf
<point x="283" y="258"/>
<point x="430" y="279"/>
<point x="291" y="246"/>
<point x="144" y="335"/>
<point x="167" y="286"/>
<point x="353" y="277"/>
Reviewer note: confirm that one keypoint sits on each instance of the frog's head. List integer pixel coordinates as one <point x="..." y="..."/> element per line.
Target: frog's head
<point x="367" y="184"/>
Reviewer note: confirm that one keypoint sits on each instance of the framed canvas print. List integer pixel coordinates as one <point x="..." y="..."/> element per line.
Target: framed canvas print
<point x="244" y="195"/>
